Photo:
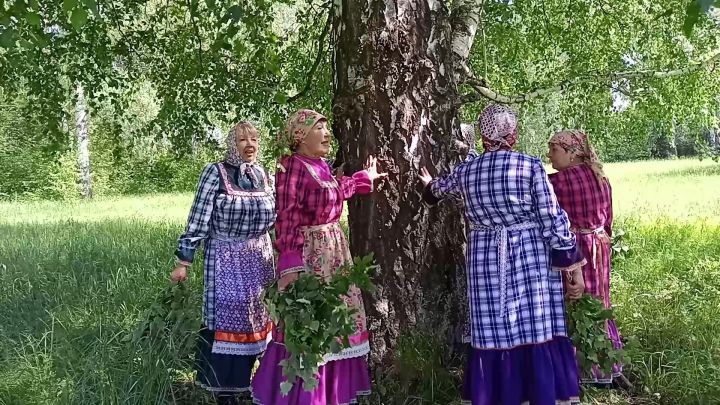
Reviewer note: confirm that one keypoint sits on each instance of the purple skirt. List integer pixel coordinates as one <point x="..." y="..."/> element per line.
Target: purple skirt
<point x="340" y="382"/>
<point x="539" y="374"/>
<point x="597" y="375"/>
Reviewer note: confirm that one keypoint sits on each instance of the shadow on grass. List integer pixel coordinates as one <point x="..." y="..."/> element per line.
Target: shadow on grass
<point x="71" y="294"/>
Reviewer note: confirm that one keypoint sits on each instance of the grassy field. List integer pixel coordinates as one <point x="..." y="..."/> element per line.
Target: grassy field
<point x="75" y="279"/>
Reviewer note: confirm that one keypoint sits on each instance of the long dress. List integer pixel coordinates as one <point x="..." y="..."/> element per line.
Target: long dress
<point x="233" y="210"/>
<point x="588" y="204"/>
<point x="309" y="237"/>
<point x="518" y="238"/>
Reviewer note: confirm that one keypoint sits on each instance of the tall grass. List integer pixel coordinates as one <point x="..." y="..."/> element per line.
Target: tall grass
<point x="71" y="292"/>
<point x="76" y="277"/>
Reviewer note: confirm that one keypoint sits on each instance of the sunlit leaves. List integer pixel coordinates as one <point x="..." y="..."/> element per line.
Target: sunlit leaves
<point x="693" y="12"/>
<point x="529" y="44"/>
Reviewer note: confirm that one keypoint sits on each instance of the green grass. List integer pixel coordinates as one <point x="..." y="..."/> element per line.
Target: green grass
<point x="75" y="278"/>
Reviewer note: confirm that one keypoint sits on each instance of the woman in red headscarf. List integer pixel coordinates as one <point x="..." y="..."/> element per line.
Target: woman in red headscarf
<point x="584" y="192"/>
<point x="309" y="239"/>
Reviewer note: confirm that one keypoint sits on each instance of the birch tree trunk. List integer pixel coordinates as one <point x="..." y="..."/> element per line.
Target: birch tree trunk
<point x="395" y="84"/>
<point x="83" y="143"/>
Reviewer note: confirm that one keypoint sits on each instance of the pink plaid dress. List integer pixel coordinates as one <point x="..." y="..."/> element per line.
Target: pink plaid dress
<point x="589" y="206"/>
<point x="309" y="238"/>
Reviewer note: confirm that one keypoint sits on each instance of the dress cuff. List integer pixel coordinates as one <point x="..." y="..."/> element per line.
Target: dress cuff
<point x="363" y="184"/>
<point x="566" y="259"/>
<point x="290" y="261"/>
<point x="185" y="255"/>
<point x="428" y="195"/>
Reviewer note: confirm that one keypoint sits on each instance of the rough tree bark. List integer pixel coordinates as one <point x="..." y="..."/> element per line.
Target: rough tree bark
<point x="395" y="81"/>
<point x="83" y="143"/>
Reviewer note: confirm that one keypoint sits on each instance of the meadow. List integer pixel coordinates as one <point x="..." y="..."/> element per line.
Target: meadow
<point x="76" y="278"/>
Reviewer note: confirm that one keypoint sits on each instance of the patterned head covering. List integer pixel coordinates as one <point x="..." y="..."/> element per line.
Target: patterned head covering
<point x="578" y="145"/>
<point x="298" y="126"/>
<point x="247" y="171"/>
<point x="232" y="154"/>
<point x="468" y="134"/>
<point x="498" y="128"/>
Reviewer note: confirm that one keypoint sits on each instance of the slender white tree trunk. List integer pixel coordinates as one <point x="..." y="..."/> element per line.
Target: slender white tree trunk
<point x="83" y="143"/>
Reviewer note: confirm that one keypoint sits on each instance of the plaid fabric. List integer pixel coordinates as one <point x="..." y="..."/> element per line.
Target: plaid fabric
<point x="216" y="212"/>
<point x="222" y="211"/>
<point x="589" y="207"/>
<point x="513" y="214"/>
<point x="308" y="194"/>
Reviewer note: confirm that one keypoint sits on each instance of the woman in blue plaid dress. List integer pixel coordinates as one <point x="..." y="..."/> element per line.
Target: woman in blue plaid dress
<point x="519" y="247"/>
<point x="233" y="210"/>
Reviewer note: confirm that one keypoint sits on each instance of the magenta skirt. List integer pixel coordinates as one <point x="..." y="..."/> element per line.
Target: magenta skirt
<point x="340" y="382"/>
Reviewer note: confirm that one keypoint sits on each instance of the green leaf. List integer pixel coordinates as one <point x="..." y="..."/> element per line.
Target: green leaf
<point x="285" y="387"/>
<point x="33" y="19"/>
<point x="692" y="14"/>
<point x="92" y="6"/>
<point x="7" y="38"/>
<point x="235" y="12"/>
<point x="19" y="7"/>
<point x="78" y="18"/>
<point x="69" y="5"/>
<point x="26" y="44"/>
<point x="280" y="97"/>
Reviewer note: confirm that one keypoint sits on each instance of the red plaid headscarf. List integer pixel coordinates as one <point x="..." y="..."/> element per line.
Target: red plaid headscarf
<point x="577" y="143"/>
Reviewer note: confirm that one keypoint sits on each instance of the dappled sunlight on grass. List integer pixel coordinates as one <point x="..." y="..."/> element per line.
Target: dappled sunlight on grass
<point x="75" y="278"/>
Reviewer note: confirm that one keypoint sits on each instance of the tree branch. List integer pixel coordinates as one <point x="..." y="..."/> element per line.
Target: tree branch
<point x="466" y="18"/>
<point x="195" y="28"/>
<point x="318" y="58"/>
<point x="484" y="92"/>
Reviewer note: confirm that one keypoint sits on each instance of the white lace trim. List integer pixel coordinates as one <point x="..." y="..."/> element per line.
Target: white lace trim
<point x="350" y="353"/>
<point x="606" y="380"/>
<point x="298" y="269"/>
<point x="221" y="389"/>
<point x="571" y="401"/>
<point x="352" y="401"/>
<point x="239" y="349"/>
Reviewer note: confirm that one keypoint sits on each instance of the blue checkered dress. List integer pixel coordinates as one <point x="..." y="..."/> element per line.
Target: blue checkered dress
<point x="514" y="220"/>
<point x="225" y="208"/>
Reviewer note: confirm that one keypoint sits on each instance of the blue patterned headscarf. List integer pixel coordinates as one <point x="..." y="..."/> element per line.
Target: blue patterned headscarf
<point x="249" y="175"/>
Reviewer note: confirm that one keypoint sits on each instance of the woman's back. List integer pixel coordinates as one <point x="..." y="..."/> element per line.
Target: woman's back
<point x="498" y="188"/>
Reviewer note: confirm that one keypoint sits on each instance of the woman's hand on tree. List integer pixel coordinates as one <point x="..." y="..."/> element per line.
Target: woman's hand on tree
<point x="425" y="177"/>
<point x="371" y="168"/>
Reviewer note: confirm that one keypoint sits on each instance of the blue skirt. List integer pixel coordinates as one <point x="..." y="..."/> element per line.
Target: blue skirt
<point x="221" y="373"/>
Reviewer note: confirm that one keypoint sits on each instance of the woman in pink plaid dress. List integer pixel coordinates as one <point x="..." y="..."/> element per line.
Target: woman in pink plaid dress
<point x="584" y="192"/>
<point x="310" y="201"/>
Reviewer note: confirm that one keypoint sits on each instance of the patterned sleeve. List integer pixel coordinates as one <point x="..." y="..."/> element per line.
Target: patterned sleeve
<point x="443" y="187"/>
<point x="289" y="238"/>
<point x="198" y="223"/>
<point x="554" y="222"/>
<point x="358" y="183"/>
